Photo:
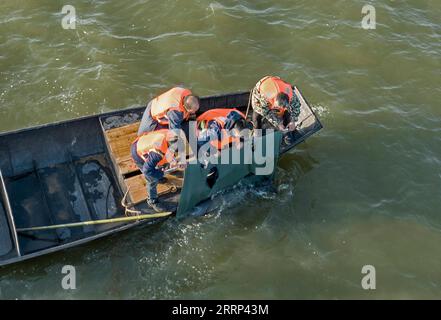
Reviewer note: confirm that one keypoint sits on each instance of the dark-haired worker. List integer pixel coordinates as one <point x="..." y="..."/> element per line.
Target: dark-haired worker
<point x="275" y="105"/>
<point x="169" y="110"/>
<point x="153" y="152"/>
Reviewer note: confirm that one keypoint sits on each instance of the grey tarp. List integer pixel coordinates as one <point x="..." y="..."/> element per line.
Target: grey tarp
<point x="197" y="189"/>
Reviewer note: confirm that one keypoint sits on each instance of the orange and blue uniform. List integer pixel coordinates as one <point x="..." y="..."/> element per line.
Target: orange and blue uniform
<point x="165" y="111"/>
<point x="214" y="125"/>
<point x="150" y="152"/>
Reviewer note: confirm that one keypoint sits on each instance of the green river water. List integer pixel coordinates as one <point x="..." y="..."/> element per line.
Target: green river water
<point x="364" y="191"/>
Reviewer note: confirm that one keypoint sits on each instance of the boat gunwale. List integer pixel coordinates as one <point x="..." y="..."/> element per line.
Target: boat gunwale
<point x="9" y="215"/>
<point x="98" y="115"/>
<point x="78" y="242"/>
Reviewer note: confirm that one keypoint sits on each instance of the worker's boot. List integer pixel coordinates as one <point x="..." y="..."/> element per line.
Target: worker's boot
<point x="156" y="205"/>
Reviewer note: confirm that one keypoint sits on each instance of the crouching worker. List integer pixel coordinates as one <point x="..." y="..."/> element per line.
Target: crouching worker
<point x="275" y="105"/>
<point x="169" y="110"/>
<point x="220" y="127"/>
<point x="153" y="152"/>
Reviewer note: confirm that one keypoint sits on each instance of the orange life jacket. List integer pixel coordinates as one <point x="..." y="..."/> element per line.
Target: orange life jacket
<point x="173" y="99"/>
<point x="220" y="116"/>
<point x="270" y="87"/>
<point x="154" y="141"/>
<point x="225" y="141"/>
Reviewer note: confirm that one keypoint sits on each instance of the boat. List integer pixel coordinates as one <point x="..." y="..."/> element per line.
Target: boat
<point x="71" y="182"/>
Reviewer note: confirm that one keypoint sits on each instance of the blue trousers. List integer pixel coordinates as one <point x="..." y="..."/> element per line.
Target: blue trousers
<point x="152" y="182"/>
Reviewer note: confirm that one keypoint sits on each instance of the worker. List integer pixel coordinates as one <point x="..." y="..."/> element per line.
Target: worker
<point x="153" y="152"/>
<point x="275" y="105"/>
<point x="169" y="110"/>
<point x="220" y="127"/>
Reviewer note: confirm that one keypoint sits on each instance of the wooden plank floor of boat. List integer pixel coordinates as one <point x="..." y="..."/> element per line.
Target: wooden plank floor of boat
<point x="119" y="141"/>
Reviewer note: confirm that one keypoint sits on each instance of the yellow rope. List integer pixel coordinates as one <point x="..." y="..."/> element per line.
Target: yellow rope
<point x="136" y="217"/>
<point x="93" y="222"/>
